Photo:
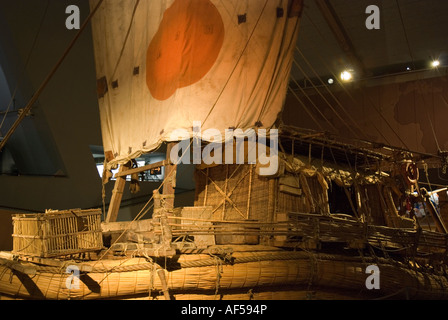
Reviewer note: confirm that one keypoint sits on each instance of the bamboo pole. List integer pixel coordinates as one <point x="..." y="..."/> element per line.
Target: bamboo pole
<point x="170" y="178"/>
<point x="225" y="193"/>
<point x="206" y="187"/>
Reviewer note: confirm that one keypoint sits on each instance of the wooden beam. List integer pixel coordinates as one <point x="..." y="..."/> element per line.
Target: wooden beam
<point x="47" y="262"/>
<point x="161" y="274"/>
<point x="117" y="195"/>
<point x="170" y="178"/>
<point x="143" y="168"/>
<point x="15" y="265"/>
<point x="340" y="34"/>
<point x="443" y="203"/>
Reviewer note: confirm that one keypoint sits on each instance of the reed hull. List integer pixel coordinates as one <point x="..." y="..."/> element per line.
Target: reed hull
<point x="251" y="275"/>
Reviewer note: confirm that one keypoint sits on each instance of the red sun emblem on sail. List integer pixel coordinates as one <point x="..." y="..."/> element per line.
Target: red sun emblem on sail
<point x="184" y="48"/>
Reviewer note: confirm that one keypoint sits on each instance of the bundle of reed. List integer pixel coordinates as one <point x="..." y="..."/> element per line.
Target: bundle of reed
<point x="249" y="270"/>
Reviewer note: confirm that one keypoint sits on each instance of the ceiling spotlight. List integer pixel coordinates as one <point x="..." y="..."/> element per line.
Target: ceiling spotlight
<point x="435" y="63"/>
<point x="408" y="68"/>
<point x="346" y="76"/>
<point x="330" y="81"/>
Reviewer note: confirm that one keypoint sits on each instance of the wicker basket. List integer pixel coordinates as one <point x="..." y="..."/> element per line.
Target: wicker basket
<point x="57" y="233"/>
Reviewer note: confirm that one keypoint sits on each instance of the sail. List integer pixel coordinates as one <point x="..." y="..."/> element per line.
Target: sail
<point x="163" y="65"/>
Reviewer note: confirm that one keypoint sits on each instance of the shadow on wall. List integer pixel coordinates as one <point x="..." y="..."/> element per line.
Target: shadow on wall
<point x="5" y="230"/>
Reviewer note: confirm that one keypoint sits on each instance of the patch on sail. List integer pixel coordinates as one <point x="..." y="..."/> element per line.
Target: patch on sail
<point x="184" y="48"/>
<point x="109" y="156"/>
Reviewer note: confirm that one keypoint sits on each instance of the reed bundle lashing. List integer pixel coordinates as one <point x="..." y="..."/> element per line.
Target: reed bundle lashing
<point x="248" y="271"/>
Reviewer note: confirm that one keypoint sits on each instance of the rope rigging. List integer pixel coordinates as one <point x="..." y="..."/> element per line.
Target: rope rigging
<point x="43" y="85"/>
<point x="33" y="46"/>
<point x="371" y="122"/>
